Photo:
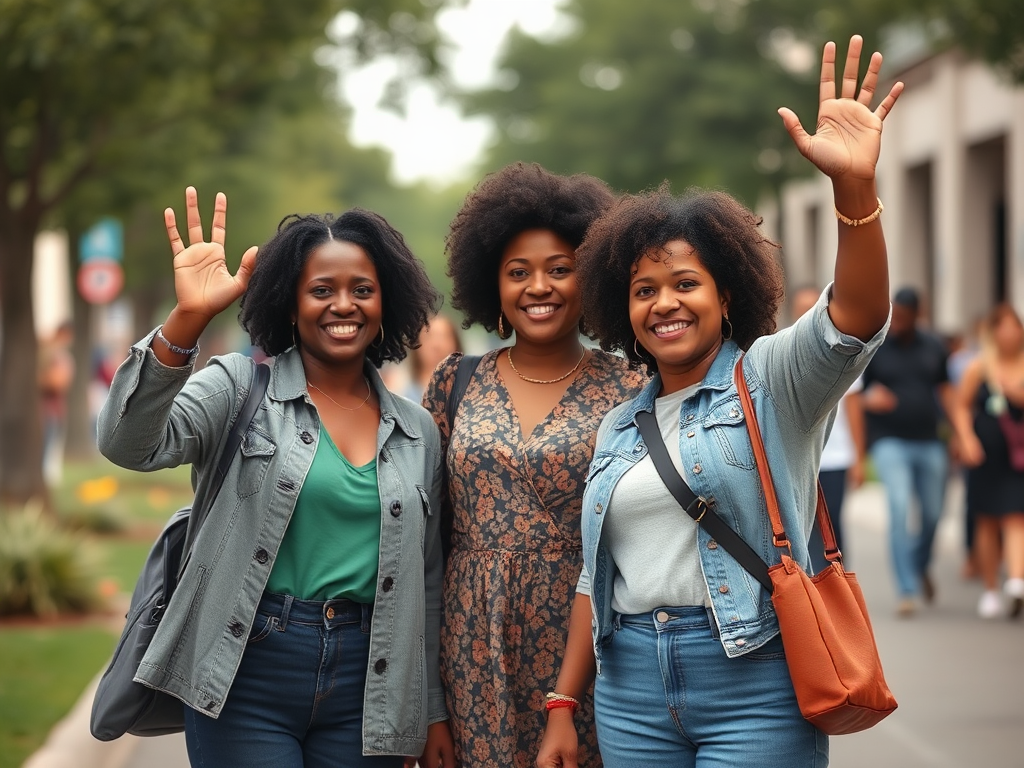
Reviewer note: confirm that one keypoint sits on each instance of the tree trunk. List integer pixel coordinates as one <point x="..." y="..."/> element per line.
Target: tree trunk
<point x="21" y="430"/>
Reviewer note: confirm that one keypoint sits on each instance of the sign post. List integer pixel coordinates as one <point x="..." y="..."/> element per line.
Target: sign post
<point x="101" y="249"/>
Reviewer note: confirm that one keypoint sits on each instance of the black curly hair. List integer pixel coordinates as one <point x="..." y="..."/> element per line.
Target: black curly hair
<point x="728" y="241"/>
<point x="517" y="198"/>
<point x="408" y="297"/>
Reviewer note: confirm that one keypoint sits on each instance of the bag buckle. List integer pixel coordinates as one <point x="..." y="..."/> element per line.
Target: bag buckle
<point x="700" y="503"/>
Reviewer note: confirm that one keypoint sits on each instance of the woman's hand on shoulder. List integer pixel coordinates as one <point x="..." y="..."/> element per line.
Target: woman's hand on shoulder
<point x="202" y="283"/>
<point x="847" y="137"/>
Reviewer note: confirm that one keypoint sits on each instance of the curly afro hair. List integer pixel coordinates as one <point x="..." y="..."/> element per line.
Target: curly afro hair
<point x="516" y="198"/>
<point x="409" y="299"/>
<point x="727" y="239"/>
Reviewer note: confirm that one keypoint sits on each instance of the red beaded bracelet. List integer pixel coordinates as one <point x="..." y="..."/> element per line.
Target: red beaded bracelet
<point x="562" y="704"/>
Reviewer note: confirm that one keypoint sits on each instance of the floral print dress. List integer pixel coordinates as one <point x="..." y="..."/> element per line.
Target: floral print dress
<point x="516" y="554"/>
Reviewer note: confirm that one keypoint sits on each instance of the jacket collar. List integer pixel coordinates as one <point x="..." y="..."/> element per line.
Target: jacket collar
<point x="288" y="382"/>
<point x="718" y="378"/>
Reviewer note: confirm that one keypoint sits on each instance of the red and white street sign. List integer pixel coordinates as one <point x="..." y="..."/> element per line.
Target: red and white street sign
<point x="100" y="281"/>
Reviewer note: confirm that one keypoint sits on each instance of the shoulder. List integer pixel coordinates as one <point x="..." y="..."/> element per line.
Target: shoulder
<point x="613" y="371"/>
<point x="233" y="367"/>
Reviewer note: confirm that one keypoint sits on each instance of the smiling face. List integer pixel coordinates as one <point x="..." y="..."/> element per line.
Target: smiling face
<point x="537" y="286"/>
<point x="338" y="307"/>
<point x="676" y="310"/>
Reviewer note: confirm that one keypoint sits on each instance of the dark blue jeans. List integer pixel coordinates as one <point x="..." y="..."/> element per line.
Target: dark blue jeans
<point x="297" y="699"/>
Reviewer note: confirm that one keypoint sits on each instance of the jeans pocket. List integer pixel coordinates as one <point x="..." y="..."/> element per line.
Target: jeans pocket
<point x="770" y="651"/>
<point x="261" y="628"/>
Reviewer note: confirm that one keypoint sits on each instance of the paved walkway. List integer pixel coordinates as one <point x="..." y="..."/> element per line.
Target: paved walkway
<point x="959" y="681"/>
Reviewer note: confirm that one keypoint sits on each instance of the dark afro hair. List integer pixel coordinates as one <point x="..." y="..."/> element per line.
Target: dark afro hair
<point x="268" y="304"/>
<point x="728" y="242"/>
<point x="516" y="198"/>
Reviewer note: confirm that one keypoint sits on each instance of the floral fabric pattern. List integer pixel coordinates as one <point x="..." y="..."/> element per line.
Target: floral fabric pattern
<point x="516" y="554"/>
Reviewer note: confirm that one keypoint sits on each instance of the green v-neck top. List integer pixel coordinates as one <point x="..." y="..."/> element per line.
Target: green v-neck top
<point x="332" y="546"/>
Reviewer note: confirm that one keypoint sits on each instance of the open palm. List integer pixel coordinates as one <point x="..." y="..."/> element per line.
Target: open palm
<point x="848" y="134"/>
<point x="202" y="283"/>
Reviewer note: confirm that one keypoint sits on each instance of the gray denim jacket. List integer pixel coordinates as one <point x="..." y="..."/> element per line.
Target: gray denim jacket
<point x="157" y="416"/>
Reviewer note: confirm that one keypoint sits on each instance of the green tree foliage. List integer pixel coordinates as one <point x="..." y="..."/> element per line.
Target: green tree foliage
<point x="105" y="102"/>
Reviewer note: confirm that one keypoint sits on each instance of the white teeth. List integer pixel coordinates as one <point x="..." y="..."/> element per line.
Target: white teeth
<point x="540" y="309"/>
<point x="342" y="330"/>
<point x="670" y="327"/>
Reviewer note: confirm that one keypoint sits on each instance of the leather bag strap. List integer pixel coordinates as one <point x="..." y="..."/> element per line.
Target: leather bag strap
<point x="779" y="537"/>
<point x="696" y="506"/>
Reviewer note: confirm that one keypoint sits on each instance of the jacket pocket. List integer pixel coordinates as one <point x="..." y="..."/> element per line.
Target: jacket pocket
<point x="727" y="425"/>
<point x="257" y="450"/>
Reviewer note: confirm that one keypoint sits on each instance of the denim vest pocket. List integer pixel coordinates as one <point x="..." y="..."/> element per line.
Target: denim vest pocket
<point x="726" y="423"/>
<point x="257" y="450"/>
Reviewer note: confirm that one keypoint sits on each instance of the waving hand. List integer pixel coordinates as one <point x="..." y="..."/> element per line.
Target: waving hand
<point x="202" y="283"/>
<point x="847" y="137"/>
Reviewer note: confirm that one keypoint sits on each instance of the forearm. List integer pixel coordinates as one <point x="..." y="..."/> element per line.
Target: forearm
<point x="860" y="293"/>
<point x="578" y="665"/>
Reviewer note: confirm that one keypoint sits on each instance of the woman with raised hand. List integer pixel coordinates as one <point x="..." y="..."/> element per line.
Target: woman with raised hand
<point x="684" y="641"/>
<point x="304" y="630"/>
<point x="517" y="457"/>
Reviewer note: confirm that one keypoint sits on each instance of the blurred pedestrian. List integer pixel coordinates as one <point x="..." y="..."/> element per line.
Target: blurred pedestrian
<point x="963" y="348"/>
<point x="517" y="458"/>
<point x="844" y="457"/>
<point x="56" y="374"/>
<point x="691" y="670"/>
<point x="304" y="630"/>
<point x="437" y="340"/>
<point x="989" y="420"/>
<point x="906" y="393"/>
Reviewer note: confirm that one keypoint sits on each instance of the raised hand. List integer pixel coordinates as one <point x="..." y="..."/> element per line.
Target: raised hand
<point x="202" y="283"/>
<point x="847" y="138"/>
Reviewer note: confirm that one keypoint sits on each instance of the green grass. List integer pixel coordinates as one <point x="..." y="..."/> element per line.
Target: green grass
<point x="43" y="669"/>
<point x="42" y="673"/>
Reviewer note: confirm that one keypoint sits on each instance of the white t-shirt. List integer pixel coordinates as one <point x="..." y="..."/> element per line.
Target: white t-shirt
<point x="652" y="541"/>
<point x="839" y="451"/>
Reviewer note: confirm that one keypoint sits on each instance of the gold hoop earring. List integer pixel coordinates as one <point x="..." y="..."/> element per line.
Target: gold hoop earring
<point x="637" y="351"/>
<point x="501" y="327"/>
<point x="295" y="335"/>
<point x="726" y="322"/>
<point x="379" y="343"/>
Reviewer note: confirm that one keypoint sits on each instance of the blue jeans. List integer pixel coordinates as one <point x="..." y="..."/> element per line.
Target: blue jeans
<point x="906" y="467"/>
<point x="297" y="699"/>
<point x="668" y="697"/>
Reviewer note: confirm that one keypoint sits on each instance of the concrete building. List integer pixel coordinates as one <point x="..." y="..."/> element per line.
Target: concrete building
<point x="951" y="176"/>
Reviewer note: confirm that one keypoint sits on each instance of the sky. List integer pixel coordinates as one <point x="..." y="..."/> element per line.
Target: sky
<point x="434" y="142"/>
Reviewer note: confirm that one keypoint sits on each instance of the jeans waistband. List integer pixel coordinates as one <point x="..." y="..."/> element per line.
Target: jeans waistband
<point x="668" y="619"/>
<point x="327" y="613"/>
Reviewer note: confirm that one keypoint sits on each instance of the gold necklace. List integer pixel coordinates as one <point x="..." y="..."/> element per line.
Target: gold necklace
<point x="369" y="391"/>
<point x="543" y="381"/>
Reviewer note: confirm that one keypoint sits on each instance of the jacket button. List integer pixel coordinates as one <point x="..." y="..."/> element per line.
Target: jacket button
<point x="306" y="438"/>
<point x="599" y="509"/>
<point x="261" y="555"/>
<point x="236" y="628"/>
<point x="691" y="433"/>
<point x="210" y="705"/>
<point x="740" y="643"/>
<point x="380" y="665"/>
<point x="734" y="413"/>
<point x="723" y="589"/>
<point x="388" y="584"/>
<point x="697" y="469"/>
<point x="396" y="508"/>
<point x="712" y="544"/>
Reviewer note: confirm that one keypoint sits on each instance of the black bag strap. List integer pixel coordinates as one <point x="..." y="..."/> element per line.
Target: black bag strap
<point x="253" y="400"/>
<point x="463" y="374"/>
<point x="697" y="506"/>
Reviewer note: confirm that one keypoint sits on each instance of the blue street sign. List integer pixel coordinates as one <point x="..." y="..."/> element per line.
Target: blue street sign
<point x="104" y="240"/>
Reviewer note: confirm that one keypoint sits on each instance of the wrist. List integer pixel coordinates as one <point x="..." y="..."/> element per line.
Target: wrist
<point x="855" y="198"/>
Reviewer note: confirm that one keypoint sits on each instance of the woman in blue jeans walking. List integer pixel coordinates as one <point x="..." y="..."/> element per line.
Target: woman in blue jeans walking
<point x="306" y="624"/>
<point x="685" y="643"/>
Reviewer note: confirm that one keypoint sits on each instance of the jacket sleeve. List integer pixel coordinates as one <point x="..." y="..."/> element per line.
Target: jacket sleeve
<point x="808" y="367"/>
<point x="433" y="577"/>
<point x="156" y="416"/>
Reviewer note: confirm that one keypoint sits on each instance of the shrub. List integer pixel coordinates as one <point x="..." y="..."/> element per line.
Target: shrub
<point x="44" y="570"/>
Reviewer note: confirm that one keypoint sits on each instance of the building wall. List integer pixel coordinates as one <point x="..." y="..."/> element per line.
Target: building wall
<point x="951" y="176"/>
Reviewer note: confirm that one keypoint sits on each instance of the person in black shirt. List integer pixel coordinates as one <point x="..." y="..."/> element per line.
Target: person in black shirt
<point x="906" y="390"/>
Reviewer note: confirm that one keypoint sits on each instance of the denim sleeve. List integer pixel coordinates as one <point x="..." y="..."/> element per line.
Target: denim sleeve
<point x="157" y="416"/>
<point x="808" y="367"/>
<point x="432" y="582"/>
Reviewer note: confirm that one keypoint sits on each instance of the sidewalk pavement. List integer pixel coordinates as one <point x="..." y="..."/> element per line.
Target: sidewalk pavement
<point x="959" y="681"/>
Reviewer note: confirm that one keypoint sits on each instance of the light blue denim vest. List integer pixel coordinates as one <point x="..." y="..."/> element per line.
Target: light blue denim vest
<point x="796" y="377"/>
